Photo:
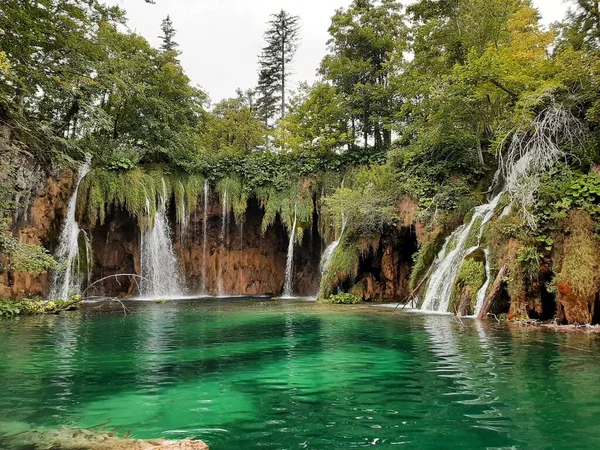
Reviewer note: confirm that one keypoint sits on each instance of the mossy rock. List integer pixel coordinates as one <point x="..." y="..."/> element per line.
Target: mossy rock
<point x="471" y="274"/>
<point x="473" y="236"/>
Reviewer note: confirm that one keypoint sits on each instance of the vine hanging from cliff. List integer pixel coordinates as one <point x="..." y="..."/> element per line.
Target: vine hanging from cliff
<point x="136" y="191"/>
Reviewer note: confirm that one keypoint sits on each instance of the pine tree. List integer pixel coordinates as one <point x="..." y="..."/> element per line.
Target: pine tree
<point x="282" y="38"/>
<point x="169" y="44"/>
<point x="268" y="95"/>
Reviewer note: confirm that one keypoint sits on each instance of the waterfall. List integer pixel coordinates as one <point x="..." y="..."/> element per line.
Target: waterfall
<point x="68" y="282"/>
<point x="331" y="248"/>
<point x="159" y="265"/>
<point x="483" y="291"/>
<point x="205" y="234"/>
<point x="449" y="260"/>
<point x="288" y="287"/>
<point x="224" y="214"/>
<point x="184" y="214"/>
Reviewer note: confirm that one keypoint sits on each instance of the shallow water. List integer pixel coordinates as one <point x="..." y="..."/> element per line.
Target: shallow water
<point x="253" y="373"/>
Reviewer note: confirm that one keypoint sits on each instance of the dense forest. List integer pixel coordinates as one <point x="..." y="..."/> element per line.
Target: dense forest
<point x="420" y="114"/>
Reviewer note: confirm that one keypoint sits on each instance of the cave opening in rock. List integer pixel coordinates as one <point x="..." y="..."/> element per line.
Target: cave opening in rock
<point x="385" y="266"/>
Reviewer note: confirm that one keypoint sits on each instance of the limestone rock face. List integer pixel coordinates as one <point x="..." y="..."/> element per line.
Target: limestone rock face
<point x="38" y="223"/>
<point x="575" y="308"/>
<point x="385" y="268"/>
<point x="240" y="259"/>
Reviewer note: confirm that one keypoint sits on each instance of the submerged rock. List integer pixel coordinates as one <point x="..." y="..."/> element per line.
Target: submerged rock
<point x="75" y="439"/>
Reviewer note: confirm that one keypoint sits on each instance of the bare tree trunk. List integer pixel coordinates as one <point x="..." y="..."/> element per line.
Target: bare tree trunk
<point x="480" y="153"/>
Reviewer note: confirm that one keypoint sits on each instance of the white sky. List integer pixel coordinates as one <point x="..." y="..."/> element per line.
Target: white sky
<point x="221" y="39"/>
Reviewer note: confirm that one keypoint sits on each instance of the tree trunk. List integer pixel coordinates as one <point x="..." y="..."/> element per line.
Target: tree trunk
<point x="480" y="153"/>
<point x="494" y="293"/>
<point x="387" y="138"/>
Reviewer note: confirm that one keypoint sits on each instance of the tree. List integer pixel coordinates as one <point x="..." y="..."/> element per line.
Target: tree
<point x="282" y="38"/>
<point x="583" y="23"/>
<point x="168" y="36"/>
<point x="234" y="128"/>
<point x="268" y="89"/>
<point x="474" y="62"/>
<point x="317" y="120"/>
<point x="366" y="39"/>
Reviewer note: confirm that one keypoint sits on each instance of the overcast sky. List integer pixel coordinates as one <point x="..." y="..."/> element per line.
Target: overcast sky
<point x="221" y="39"/>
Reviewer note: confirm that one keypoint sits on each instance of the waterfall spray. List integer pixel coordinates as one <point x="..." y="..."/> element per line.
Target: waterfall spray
<point x="68" y="281"/>
<point x="159" y="265"/>
<point x="223" y="237"/>
<point x="331" y="248"/>
<point x="448" y="262"/>
<point x="205" y="234"/>
<point x="288" y="287"/>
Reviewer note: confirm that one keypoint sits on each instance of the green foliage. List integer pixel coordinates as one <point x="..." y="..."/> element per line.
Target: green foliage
<point x="529" y="258"/>
<point x="471" y="274"/>
<point x="472" y="239"/>
<point x="316" y="122"/>
<point x="233" y="196"/>
<point x="234" y="128"/>
<point x="281" y="38"/>
<point x="430" y="245"/>
<point x="13" y="308"/>
<point x="563" y="189"/>
<point x="21" y="257"/>
<point x="367" y="40"/>
<point x="580" y="268"/>
<point x="32" y="259"/>
<point x="343" y="265"/>
<point x="367" y="202"/>
<point x="294" y="204"/>
<point x="136" y="191"/>
<point x="344" y="299"/>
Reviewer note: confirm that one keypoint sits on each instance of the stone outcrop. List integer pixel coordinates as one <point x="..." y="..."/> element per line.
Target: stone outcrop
<point x="579" y="277"/>
<point x="77" y="439"/>
<point x="244" y="260"/>
<point x="385" y="266"/>
<point x="38" y="223"/>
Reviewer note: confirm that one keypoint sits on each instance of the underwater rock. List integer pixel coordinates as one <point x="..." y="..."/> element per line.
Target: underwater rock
<point x="76" y="439"/>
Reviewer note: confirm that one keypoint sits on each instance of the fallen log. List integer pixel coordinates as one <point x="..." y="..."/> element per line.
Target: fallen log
<point x="494" y="293"/>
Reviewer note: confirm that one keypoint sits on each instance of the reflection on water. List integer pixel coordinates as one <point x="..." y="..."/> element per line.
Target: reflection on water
<point x="252" y="373"/>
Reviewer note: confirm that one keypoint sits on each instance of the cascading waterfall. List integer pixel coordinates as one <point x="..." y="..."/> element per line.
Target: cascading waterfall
<point x="223" y="237"/>
<point x="205" y="234"/>
<point x="331" y="248"/>
<point x="449" y="261"/>
<point x="159" y="265"/>
<point x="288" y="287"/>
<point x="488" y="279"/>
<point x="184" y="214"/>
<point x="68" y="282"/>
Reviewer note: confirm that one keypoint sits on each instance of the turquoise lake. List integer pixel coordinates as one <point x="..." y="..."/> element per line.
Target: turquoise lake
<point x="259" y="374"/>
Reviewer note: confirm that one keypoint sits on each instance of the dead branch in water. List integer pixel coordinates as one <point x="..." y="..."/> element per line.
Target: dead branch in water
<point x="117" y="276"/>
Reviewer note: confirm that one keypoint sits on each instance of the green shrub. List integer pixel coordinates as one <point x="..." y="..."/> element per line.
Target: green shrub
<point x="13" y="308"/>
<point x="471" y="274"/>
<point x="430" y="245"/>
<point x="140" y="192"/>
<point x="344" y="299"/>
<point x="33" y="259"/>
<point x="343" y="265"/>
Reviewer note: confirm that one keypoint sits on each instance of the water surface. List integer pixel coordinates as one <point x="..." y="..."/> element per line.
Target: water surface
<point x="258" y="374"/>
